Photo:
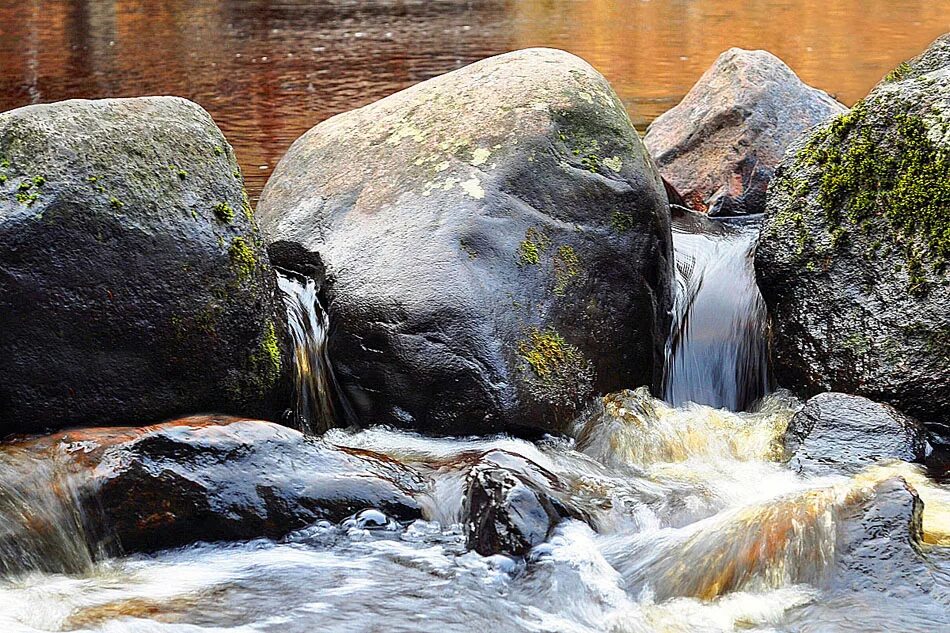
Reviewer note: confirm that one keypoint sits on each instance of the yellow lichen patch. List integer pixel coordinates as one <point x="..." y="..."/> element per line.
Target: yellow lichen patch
<point x="562" y="376"/>
<point x="473" y="188"/>
<point x="529" y="251"/>
<point x="566" y="267"/>
<point x="404" y="131"/>
<point x="480" y="156"/>
<point x="614" y="163"/>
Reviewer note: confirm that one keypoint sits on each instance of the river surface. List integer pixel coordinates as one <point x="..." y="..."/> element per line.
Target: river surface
<point x="269" y="70"/>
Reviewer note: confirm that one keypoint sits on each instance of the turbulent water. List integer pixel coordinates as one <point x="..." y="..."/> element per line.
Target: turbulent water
<point x="698" y="529"/>
<point x="696" y="524"/>
<point x="717" y="353"/>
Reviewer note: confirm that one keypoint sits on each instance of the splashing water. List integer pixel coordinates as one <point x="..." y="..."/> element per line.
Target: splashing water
<point x="699" y="527"/>
<point x="43" y="526"/>
<point x="717" y="353"/>
<point x="317" y="398"/>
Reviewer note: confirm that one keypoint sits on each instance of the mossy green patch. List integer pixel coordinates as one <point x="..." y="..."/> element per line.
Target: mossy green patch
<point x="242" y="258"/>
<point x="898" y="73"/>
<point x="115" y="203"/>
<point x="224" y="212"/>
<point x="897" y="174"/>
<point x="566" y="267"/>
<point x="529" y="251"/>
<point x="267" y="357"/>
<point x="561" y="374"/>
<point x="622" y="222"/>
<point x="246" y="205"/>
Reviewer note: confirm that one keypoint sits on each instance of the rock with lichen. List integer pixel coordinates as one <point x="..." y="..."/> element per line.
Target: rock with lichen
<point x="134" y="284"/>
<point x="496" y="244"/>
<point x="720" y="145"/>
<point x="852" y="260"/>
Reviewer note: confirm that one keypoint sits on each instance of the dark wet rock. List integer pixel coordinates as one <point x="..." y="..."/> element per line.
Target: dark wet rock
<point x="836" y="432"/>
<point x="216" y="478"/>
<point x="133" y="282"/>
<point x="512" y="504"/>
<point x="852" y="256"/>
<point x="496" y="244"/>
<point x="719" y="147"/>
<point x="882" y="569"/>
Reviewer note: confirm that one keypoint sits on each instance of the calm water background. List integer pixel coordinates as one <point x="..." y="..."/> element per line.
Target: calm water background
<point x="269" y="70"/>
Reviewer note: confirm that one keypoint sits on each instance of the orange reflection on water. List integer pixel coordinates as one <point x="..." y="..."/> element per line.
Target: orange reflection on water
<point x="268" y="70"/>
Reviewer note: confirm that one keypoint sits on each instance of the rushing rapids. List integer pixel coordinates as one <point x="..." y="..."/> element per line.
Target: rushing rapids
<point x="688" y="517"/>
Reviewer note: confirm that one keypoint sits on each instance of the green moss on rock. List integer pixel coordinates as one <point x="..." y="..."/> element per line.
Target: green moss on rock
<point x="560" y="375"/>
<point x="224" y="212"/>
<point x="566" y="267"/>
<point x="242" y="257"/>
<point x="900" y="176"/>
<point x="529" y="251"/>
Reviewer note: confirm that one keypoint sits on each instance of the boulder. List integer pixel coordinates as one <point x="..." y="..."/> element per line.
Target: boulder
<point x="512" y="504"/>
<point x="496" y="244"/>
<point x="836" y="432"/>
<point x="216" y="478"/>
<point x="133" y="280"/>
<point x="852" y="258"/>
<point x="721" y="144"/>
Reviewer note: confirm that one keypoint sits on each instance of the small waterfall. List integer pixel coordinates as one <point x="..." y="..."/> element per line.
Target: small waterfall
<point x="717" y="353"/>
<point x="43" y="524"/>
<point x="317" y="397"/>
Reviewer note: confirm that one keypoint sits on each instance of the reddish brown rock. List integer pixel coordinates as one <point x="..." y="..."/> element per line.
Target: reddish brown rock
<point x="719" y="147"/>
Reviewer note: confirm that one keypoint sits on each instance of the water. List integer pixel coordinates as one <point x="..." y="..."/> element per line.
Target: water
<point x="699" y="529"/>
<point x="717" y="354"/>
<point x="318" y="401"/>
<point x="268" y="70"/>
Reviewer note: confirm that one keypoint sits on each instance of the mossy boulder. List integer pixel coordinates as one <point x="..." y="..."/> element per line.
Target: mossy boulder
<point x="721" y="144"/>
<point x="496" y="243"/>
<point x="134" y="284"/>
<point x="852" y="259"/>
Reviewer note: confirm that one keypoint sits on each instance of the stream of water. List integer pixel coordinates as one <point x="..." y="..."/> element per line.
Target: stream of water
<point x="717" y="354"/>
<point x="698" y="524"/>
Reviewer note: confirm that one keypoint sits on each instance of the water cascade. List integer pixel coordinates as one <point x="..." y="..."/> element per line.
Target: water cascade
<point x="318" y="402"/>
<point x="717" y="352"/>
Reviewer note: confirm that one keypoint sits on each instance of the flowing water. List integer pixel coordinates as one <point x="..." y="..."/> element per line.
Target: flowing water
<point x="318" y="403"/>
<point x="717" y="354"/>
<point x="699" y="528"/>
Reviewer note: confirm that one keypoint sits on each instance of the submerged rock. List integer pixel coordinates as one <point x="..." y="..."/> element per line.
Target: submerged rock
<point x="133" y="283"/>
<point x="852" y="256"/>
<point x="496" y="244"/>
<point x="838" y="432"/>
<point x="721" y="144"/>
<point x="512" y="504"/>
<point x="219" y="478"/>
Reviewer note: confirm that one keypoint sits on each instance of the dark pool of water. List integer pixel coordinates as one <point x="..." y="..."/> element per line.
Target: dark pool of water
<point x="268" y="70"/>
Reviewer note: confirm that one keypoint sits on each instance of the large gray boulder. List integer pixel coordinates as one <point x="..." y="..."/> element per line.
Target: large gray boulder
<point x="852" y="259"/>
<point x="133" y="281"/>
<point x="496" y="244"/>
<point x="837" y="432"/>
<point x="721" y="144"/>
